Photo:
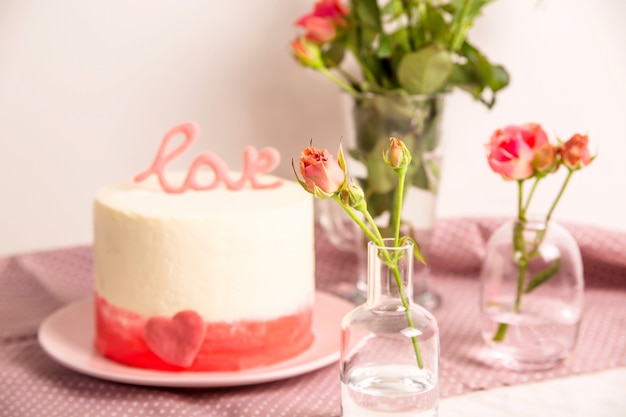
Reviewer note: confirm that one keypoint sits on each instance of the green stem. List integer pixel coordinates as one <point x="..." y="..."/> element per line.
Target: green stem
<point x="520" y="284"/>
<point x="408" y="9"/>
<point x="519" y="248"/>
<point x="393" y="265"/>
<point x="360" y="223"/>
<point x="542" y="233"/>
<point x="337" y="80"/>
<point x="357" y="51"/>
<point x="500" y="332"/>
<point x="397" y="212"/>
<point x="369" y="75"/>
<point x="347" y="76"/>
<point x="520" y="200"/>
<point x="457" y="33"/>
<point x="523" y="264"/>
<point x="409" y="317"/>
<point x="558" y="197"/>
<point x="378" y="238"/>
<point x="530" y="195"/>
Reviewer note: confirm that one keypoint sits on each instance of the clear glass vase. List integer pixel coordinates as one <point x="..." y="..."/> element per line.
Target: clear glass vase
<point x="373" y="119"/>
<point x="531" y="294"/>
<point x="389" y="360"/>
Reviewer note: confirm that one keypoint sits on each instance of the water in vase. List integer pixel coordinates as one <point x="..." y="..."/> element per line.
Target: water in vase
<point x="389" y="390"/>
<point x="541" y="335"/>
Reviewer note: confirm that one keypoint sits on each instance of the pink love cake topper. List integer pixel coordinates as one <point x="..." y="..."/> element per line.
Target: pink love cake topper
<point x="254" y="163"/>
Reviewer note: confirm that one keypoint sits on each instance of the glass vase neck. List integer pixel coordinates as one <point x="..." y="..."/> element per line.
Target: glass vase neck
<point x="389" y="275"/>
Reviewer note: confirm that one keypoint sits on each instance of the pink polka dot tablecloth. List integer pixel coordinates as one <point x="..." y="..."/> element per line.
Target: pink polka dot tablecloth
<point x="33" y="285"/>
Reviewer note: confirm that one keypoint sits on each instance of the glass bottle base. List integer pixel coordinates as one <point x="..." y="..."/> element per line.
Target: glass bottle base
<point x="378" y="391"/>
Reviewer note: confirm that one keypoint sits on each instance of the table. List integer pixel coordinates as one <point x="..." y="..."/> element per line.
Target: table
<point x="33" y="285"/>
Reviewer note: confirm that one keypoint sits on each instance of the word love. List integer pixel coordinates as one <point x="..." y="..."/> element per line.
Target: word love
<point x="254" y="163"/>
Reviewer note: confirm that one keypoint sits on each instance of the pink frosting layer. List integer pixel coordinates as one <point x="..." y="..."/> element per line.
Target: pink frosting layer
<point x="121" y="336"/>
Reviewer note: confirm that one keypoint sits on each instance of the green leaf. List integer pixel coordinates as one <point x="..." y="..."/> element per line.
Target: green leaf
<point x="477" y="75"/>
<point x="368" y="13"/>
<point x="474" y="6"/>
<point x="393" y="9"/>
<point x="437" y="25"/>
<point x="416" y="249"/>
<point x="477" y="62"/>
<point x="499" y="78"/>
<point x="466" y="12"/>
<point x="464" y="77"/>
<point x="385" y="46"/>
<point x="543" y="276"/>
<point x="400" y="41"/>
<point x="334" y="54"/>
<point x="425" y="71"/>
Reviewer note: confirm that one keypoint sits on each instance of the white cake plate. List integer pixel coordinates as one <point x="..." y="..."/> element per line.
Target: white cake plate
<point x="67" y="336"/>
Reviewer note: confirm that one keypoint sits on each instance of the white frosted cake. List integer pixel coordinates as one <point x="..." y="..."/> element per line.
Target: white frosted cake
<point x="210" y="280"/>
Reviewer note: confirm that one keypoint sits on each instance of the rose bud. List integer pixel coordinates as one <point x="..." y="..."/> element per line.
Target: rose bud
<point x="307" y="53"/>
<point x="575" y="152"/>
<point x="546" y="160"/>
<point x="397" y="155"/>
<point x="354" y="196"/>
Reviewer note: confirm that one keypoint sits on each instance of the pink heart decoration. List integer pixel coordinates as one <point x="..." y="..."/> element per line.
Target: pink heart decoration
<point x="176" y="341"/>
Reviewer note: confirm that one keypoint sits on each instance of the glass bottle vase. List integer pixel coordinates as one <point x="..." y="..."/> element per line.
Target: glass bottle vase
<point x="389" y="361"/>
<point x="531" y="294"/>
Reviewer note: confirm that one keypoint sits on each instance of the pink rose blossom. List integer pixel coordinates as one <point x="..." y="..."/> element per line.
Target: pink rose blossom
<point x="319" y="169"/>
<point x="318" y="29"/>
<point x="511" y="150"/>
<point x="332" y="10"/>
<point x="320" y="23"/>
<point x="575" y="152"/>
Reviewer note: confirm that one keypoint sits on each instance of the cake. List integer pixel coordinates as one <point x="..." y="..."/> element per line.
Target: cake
<point x="199" y="279"/>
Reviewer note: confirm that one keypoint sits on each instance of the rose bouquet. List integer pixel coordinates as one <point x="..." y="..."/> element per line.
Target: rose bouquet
<point x="397" y="59"/>
<point x="524" y="153"/>
<point x="412" y="46"/>
<point x="326" y="178"/>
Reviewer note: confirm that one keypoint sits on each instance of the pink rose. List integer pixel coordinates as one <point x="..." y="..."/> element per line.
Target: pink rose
<point x="320" y="23"/>
<point x="332" y="10"/>
<point x="319" y="169"/>
<point x="575" y="152"/>
<point x="511" y="150"/>
<point x="318" y="29"/>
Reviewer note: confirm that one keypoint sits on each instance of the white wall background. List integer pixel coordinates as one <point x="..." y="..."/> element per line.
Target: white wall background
<point x="87" y="90"/>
